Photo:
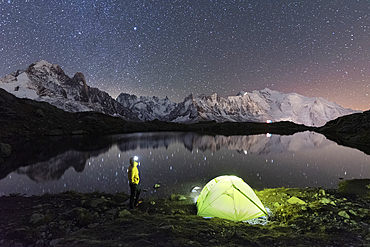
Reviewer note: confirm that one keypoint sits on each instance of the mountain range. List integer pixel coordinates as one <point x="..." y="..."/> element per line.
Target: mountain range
<point x="43" y="81"/>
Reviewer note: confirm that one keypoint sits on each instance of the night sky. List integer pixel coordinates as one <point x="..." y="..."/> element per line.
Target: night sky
<point x="174" y="48"/>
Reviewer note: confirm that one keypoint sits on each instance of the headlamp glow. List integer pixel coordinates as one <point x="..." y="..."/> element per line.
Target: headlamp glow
<point x="136" y="158"/>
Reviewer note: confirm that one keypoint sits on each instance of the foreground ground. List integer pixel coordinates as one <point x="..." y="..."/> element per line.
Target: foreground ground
<point x="300" y="217"/>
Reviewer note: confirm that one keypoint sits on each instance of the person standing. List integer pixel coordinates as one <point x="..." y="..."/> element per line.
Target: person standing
<point x="134" y="179"/>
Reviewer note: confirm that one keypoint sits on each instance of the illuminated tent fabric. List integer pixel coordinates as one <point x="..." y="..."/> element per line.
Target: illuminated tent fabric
<point x="229" y="197"/>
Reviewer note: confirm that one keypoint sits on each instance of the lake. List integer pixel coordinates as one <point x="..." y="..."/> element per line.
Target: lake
<point x="179" y="161"/>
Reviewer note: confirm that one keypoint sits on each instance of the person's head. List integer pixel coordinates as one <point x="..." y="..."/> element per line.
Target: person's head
<point x="133" y="159"/>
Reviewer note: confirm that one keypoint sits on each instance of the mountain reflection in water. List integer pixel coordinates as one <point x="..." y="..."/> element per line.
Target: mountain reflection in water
<point x="179" y="161"/>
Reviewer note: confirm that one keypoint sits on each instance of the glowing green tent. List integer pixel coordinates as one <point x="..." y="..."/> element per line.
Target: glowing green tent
<point x="229" y="197"/>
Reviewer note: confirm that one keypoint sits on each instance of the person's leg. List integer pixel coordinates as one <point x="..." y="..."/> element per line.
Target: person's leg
<point x="132" y="195"/>
<point x="137" y="196"/>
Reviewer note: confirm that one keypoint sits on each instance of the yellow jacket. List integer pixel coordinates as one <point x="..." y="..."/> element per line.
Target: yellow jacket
<point x="133" y="173"/>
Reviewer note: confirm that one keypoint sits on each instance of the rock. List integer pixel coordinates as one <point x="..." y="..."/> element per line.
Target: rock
<point x="80" y="214"/>
<point x="325" y="201"/>
<point x="112" y="211"/>
<point x="37" y="218"/>
<point x="178" y="211"/>
<point x="55" y="242"/>
<point x="39" y="113"/>
<point x="55" y="132"/>
<point x="40" y="243"/>
<point x="38" y="206"/>
<point x="352" y="212"/>
<point x="92" y="225"/>
<point x="166" y="227"/>
<point x="5" y="149"/>
<point x="94" y="203"/>
<point x="124" y="213"/>
<point x="295" y="200"/>
<point x="343" y="214"/>
<point x="79" y="132"/>
<point x="177" y="197"/>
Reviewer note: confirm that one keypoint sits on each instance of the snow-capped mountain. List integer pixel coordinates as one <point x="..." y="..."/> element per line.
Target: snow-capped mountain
<point x="258" y="106"/>
<point x="269" y="106"/>
<point x="151" y="108"/>
<point x="240" y="108"/>
<point x="147" y="108"/>
<point x="43" y="81"/>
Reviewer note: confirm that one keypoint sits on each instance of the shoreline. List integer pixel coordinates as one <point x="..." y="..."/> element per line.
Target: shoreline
<point x="316" y="217"/>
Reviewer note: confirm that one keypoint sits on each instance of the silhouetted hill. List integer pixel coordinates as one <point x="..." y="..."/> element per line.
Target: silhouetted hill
<point x="351" y="130"/>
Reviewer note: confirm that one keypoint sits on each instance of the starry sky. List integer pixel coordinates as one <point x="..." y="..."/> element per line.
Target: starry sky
<point x="177" y="47"/>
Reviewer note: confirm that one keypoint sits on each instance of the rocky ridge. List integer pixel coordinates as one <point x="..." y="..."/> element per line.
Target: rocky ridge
<point x="47" y="82"/>
<point x="43" y="81"/>
<point x="258" y="106"/>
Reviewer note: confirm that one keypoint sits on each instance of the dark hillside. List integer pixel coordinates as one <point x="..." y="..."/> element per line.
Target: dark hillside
<point x="351" y="130"/>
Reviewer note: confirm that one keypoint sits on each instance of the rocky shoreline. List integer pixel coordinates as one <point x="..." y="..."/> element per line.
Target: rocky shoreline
<point x="299" y="217"/>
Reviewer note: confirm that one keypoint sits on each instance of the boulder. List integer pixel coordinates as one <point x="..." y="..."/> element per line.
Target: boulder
<point x="37" y="218"/>
<point x="344" y="214"/>
<point x="295" y="200"/>
<point x="39" y="113"/>
<point x="55" y="132"/>
<point x="94" y="203"/>
<point x="124" y="213"/>
<point x="177" y="197"/>
<point x="5" y="150"/>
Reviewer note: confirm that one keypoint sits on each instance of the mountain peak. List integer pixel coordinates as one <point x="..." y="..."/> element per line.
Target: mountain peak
<point x="242" y="93"/>
<point x="79" y="78"/>
<point x="41" y="64"/>
<point x="268" y="91"/>
<point x="43" y="81"/>
<point x="265" y="91"/>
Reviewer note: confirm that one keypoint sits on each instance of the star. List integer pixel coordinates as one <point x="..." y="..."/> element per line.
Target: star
<point x="174" y="48"/>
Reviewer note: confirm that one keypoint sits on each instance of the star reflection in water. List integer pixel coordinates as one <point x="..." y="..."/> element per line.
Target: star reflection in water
<point x="177" y="162"/>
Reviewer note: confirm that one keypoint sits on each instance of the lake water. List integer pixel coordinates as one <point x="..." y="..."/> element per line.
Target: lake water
<point x="180" y="161"/>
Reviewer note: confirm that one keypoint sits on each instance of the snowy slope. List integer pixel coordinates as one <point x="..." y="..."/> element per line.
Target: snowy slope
<point x="296" y="108"/>
<point x="151" y="108"/>
<point x="233" y="108"/>
<point x="147" y="108"/>
<point x="19" y="85"/>
<point x="43" y="81"/>
<point x="257" y="106"/>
